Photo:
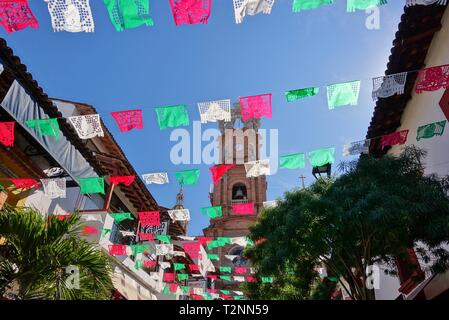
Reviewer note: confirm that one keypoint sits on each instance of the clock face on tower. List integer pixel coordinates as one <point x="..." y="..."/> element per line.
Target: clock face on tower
<point x="239" y="260"/>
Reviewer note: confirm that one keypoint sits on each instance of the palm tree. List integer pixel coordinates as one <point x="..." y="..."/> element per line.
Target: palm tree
<point x="37" y="253"/>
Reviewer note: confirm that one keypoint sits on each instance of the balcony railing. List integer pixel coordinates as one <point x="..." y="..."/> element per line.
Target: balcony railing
<point x="239" y="201"/>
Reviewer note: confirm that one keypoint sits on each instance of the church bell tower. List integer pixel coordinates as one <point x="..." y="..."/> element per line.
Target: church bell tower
<point x="239" y="143"/>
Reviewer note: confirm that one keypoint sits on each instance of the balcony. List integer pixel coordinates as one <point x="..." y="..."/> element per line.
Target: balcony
<point x="239" y="201"/>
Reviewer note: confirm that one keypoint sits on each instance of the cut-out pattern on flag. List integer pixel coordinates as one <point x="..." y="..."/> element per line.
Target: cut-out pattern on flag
<point x="89" y="230"/>
<point x="293" y="161"/>
<point x="225" y="269"/>
<point x="149" y="263"/>
<point x="299" y="5"/>
<point x="164" y="265"/>
<point x="172" y="116"/>
<point x="168" y="277"/>
<point x="257" y="168"/>
<point x="251" y="279"/>
<point x="185" y="289"/>
<point x="7" y="134"/>
<point x="294" y="95"/>
<point x="138" y="264"/>
<point x="241" y="241"/>
<point x="128" y="120"/>
<point x="87" y="126"/>
<point x="45" y="127"/>
<point x="146" y="236"/>
<point x="105" y="232"/>
<point x="194" y="267"/>
<point x="430" y="130"/>
<point x="243" y="208"/>
<point x="218" y="171"/>
<point x="155" y="178"/>
<point x="54" y="188"/>
<point x="127" y="233"/>
<point x="225" y="278"/>
<point x="164" y="238"/>
<point x="213" y="256"/>
<point x="243" y="8"/>
<point x="149" y="218"/>
<point x="356" y="148"/>
<point x="71" y="15"/>
<point x="192" y="249"/>
<point x="240" y="270"/>
<point x="140" y="248"/>
<point x="16" y="15"/>
<point x="213" y="212"/>
<point x="386" y="86"/>
<point x="212" y="276"/>
<point x="395" y="138"/>
<point x="212" y="290"/>
<point x="267" y="280"/>
<point x="190" y="11"/>
<point x="321" y="157"/>
<point x="425" y="2"/>
<point x="24" y="183"/>
<point x="431" y="79"/>
<point x="183" y="277"/>
<point x="204" y="240"/>
<point x="342" y="94"/>
<point x="122" y="216"/>
<point x="186" y="238"/>
<point x="117" y="249"/>
<point x="164" y="249"/>
<point x="353" y="5"/>
<point x="188" y="177"/>
<point x="91" y="185"/>
<point x="270" y="204"/>
<point x="255" y="107"/>
<point x="219" y="242"/>
<point x="126" y="180"/>
<point x="212" y="111"/>
<point x="179" y="214"/>
<point x="129" y="14"/>
<point x="179" y="266"/>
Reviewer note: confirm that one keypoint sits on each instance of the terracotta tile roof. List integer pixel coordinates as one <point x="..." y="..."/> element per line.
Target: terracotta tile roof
<point x="412" y="41"/>
<point x="14" y="69"/>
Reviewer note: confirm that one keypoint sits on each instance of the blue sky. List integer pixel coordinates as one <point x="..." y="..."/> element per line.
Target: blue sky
<point x="163" y="65"/>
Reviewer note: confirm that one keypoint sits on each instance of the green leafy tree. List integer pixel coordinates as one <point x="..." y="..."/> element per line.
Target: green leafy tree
<point x="371" y="214"/>
<point x="36" y="252"/>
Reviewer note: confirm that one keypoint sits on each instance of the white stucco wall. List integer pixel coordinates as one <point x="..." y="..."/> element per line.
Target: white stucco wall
<point x="423" y="109"/>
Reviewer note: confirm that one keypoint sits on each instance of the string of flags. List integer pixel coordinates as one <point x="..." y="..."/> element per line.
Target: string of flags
<point x="56" y="187"/>
<point x="172" y="273"/>
<point x="252" y="107"/>
<point x="76" y="15"/>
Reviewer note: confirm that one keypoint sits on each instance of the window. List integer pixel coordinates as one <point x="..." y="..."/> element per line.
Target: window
<point x="238" y="261"/>
<point x="239" y="192"/>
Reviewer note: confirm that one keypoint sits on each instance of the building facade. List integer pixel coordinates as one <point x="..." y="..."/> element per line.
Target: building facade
<point x="239" y="143"/>
<point x="38" y="157"/>
<point x="422" y="41"/>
